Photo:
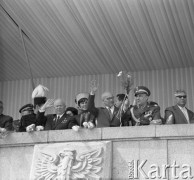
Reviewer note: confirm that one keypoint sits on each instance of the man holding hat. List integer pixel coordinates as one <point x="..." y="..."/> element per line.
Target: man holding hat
<point x="39" y="96"/>
<point x="179" y="114"/>
<point x="84" y="118"/>
<point x="144" y="112"/>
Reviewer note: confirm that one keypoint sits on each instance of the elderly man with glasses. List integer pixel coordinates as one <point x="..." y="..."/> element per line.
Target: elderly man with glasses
<point x="179" y="114"/>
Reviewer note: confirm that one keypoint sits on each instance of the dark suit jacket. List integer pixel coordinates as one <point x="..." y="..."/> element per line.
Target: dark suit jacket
<point x="49" y="121"/>
<point x="21" y="124"/>
<point x="103" y="117"/>
<point x="6" y="122"/>
<point x="178" y="116"/>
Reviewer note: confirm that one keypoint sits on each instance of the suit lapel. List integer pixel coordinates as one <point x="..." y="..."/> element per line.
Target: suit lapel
<point x="181" y="114"/>
<point x="105" y="110"/>
<point x="60" y="120"/>
<point x="115" y="112"/>
<point x="190" y="114"/>
<point x="54" y="120"/>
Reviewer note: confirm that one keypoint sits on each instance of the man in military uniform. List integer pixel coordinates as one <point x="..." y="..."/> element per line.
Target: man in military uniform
<point x="144" y="112"/>
<point x="27" y="121"/>
<point x="179" y="114"/>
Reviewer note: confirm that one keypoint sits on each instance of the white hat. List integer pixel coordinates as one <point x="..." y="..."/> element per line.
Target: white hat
<point x="81" y="96"/>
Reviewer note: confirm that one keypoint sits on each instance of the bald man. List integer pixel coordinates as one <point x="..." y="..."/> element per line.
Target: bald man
<point x="107" y="116"/>
<point x="56" y="121"/>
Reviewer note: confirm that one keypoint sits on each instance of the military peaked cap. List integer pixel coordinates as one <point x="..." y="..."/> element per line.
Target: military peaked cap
<point x="27" y="107"/>
<point x="142" y="90"/>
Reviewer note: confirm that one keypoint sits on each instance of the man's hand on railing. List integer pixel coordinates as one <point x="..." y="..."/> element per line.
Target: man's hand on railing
<point x="30" y="128"/>
<point x="156" y="122"/>
<point x="76" y="128"/>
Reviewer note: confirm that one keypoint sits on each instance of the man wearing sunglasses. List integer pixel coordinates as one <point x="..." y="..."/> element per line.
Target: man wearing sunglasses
<point x="179" y="114"/>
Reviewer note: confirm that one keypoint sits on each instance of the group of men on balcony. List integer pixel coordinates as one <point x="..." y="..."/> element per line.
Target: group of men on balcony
<point x="114" y="113"/>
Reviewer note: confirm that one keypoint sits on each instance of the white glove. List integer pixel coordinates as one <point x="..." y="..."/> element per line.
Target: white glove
<point x="39" y="128"/>
<point x="85" y="124"/>
<point x="75" y="128"/>
<point x="91" y="125"/>
<point x="30" y="128"/>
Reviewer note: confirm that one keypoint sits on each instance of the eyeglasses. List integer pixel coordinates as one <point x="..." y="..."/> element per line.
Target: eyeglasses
<point x="182" y="96"/>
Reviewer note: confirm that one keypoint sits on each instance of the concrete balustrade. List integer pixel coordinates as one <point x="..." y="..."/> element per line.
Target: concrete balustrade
<point x="157" y="145"/>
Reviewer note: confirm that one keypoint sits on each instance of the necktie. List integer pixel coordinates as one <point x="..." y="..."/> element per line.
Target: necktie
<point x="184" y="110"/>
<point x="57" y="118"/>
<point x="110" y="113"/>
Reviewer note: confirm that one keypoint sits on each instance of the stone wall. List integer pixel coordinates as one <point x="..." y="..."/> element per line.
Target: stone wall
<point x="161" y="152"/>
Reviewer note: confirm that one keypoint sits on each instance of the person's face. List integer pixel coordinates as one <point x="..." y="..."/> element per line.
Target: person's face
<point x="59" y="106"/>
<point x="83" y="104"/>
<point x="118" y="102"/>
<point x="141" y="99"/>
<point x="181" y="99"/>
<point x="1" y="108"/>
<point x="108" y="100"/>
<point x="24" y="113"/>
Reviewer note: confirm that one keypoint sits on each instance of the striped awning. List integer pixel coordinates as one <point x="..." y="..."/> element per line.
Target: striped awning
<point x="85" y="37"/>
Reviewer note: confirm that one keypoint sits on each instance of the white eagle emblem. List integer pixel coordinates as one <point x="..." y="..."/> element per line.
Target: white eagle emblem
<point x="65" y="165"/>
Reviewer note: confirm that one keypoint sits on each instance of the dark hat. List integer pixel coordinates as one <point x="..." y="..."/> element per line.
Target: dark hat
<point x="27" y="107"/>
<point x="142" y="90"/>
<point x="39" y="100"/>
<point x="73" y="110"/>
